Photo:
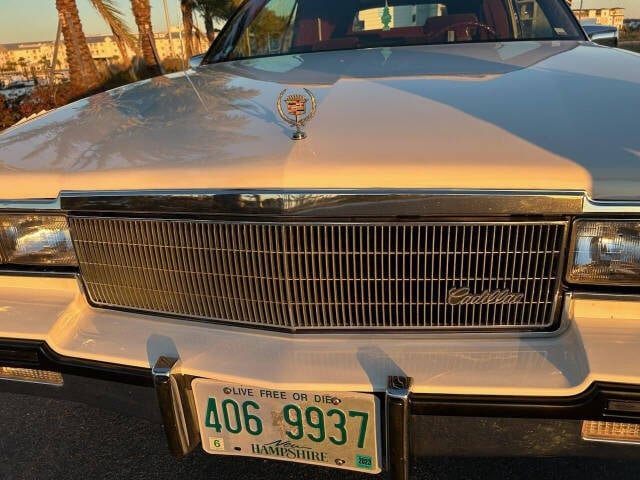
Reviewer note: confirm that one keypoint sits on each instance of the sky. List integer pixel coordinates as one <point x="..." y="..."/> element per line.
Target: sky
<point x="632" y="6"/>
<point x="37" y="20"/>
<point x="19" y="24"/>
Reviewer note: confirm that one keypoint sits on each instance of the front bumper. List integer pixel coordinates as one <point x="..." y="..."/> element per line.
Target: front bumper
<point x="417" y="425"/>
<point x="587" y="370"/>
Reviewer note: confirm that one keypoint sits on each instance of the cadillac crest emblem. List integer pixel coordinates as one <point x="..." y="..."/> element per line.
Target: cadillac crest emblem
<point x="296" y="110"/>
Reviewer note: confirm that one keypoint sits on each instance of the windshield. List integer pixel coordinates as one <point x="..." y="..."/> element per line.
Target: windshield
<point x="278" y="27"/>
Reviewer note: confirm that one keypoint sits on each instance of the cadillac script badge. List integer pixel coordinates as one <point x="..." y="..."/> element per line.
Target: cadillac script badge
<point x="463" y="296"/>
<point x="296" y="110"/>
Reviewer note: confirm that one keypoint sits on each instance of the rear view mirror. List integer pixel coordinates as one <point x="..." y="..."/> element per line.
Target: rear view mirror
<point x="196" y="60"/>
<point x="602" y="34"/>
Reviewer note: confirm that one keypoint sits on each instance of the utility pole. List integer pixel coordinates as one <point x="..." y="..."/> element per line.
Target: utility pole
<point x="52" y="76"/>
<point x="581" y="12"/>
<point x="166" y="18"/>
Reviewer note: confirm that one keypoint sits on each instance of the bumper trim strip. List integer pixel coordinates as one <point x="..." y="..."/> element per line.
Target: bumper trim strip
<point x="397" y="426"/>
<point x="173" y="389"/>
<point x="592" y="404"/>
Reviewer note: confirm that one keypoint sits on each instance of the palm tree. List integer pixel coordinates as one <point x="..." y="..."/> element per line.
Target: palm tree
<point x="186" y="7"/>
<point x="142" y="13"/>
<point x="44" y="63"/>
<point x="82" y="71"/>
<point x="23" y="64"/>
<point x="121" y="32"/>
<point x="212" y="10"/>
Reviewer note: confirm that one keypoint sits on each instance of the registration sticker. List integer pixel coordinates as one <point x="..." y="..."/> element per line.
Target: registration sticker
<point x="216" y="443"/>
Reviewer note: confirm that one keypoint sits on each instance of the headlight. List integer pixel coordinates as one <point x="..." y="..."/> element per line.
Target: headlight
<point x="605" y="253"/>
<point x="40" y="240"/>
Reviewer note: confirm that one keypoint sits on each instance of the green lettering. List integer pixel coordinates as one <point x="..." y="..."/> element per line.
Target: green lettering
<point x="252" y="423"/>
<point x="315" y="419"/>
<point x="212" y="420"/>
<point x="340" y="425"/>
<point x="236" y="416"/>
<point x="363" y="426"/>
<point x="294" y="422"/>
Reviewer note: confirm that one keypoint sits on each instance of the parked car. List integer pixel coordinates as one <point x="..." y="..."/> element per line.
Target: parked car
<point x="354" y="232"/>
<point x="17" y="89"/>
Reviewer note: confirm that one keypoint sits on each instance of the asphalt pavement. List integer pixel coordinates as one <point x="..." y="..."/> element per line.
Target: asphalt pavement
<point x="43" y="438"/>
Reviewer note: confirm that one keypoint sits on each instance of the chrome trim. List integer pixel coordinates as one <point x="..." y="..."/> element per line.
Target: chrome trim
<point x="611" y="442"/>
<point x="615" y="297"/>
<point x="399" y="388"/>
<point x="619" y="207"/>
<point x="31" y="204"/>
<point x="397" y="426"/>
<point x="39" y="273"/>
<point x="178" y="417"/>
<point x="321" y="202"/>
<point x="329" y="203"/>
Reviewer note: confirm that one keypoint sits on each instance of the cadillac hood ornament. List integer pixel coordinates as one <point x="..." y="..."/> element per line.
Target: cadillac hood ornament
<point x="296" y="110"/>
<point x="463" y="296"/>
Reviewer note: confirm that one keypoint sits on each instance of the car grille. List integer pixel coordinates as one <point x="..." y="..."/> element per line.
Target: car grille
<point x="310" y="276"/>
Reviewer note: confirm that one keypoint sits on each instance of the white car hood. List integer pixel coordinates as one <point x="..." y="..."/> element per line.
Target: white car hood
<point x="521" y="115"/>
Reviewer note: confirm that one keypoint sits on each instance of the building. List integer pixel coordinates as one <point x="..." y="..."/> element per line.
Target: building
<point x="26" y="58"/>
<point x="602" y="16"/>
<point x="171" y="46"/>
<point x="34" y="58"/>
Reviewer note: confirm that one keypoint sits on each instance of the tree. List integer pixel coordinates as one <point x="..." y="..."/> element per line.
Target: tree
<point x="11" y="66"/>
<point x="44" y="63"/>
<point x="142" y="12"/>
<point x="22" y="62"/>
<point x="214" y="10"/>
<point x="186" y="7"/>
<point x="121" y="31"/>
<point x="82" y="71"/>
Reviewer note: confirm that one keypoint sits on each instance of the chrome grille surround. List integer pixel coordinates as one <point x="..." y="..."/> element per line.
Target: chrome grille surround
<point x="301" y="276"/>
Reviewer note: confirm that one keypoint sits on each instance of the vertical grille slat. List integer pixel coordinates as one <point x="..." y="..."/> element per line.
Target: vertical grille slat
<point x="308" y="276"/>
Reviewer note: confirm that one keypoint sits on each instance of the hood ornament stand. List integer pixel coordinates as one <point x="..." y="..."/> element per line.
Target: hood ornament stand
<point x="296" y="114"/>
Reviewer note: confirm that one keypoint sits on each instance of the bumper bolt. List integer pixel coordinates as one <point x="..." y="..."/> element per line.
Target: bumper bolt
<point x="226" y="390"/>
<point x="336" y="401"/>
<point x="340" y="461"/>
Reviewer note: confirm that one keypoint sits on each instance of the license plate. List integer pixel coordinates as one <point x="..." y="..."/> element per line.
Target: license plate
<point x="333" y="429"/>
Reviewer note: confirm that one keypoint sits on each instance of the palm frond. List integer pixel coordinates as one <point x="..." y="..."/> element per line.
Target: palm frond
<point x="111" y="14"/>
<point x="198" y="33"/>
<point x="219" y="10"/>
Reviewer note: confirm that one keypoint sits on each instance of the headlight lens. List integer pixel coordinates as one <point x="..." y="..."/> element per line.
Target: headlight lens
<point x="605" y="253"/>
<point x="35" y="240"/>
